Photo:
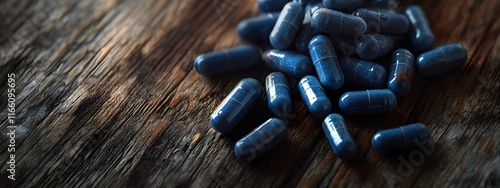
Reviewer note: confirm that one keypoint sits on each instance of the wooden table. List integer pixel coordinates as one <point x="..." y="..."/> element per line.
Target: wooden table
<point x="106" y="95"/>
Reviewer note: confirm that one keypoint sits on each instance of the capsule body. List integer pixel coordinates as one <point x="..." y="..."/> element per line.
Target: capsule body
<point x="421" y="34"/>
<point x="343" y="5"/>
<point x="376" y="101"/>
<point x="363" y="73"/>
<point x="384" y="22"/>
<point x="341" y="141"/>
<point x="441" y="60"/>
<point x="279" y="100"/>
<point x="228" y="61"/>
<point x="400" y="138"/>
<point x="337" y="23"/>
<point x="258" y="29"/>
<point x="372" y="46"/>
<point x="245" y="95"/>
<point x="287" y="26"/>
<point x="271" y="5"/>
<point x="314" y="97"/>
<point x="326" y="63"/>
<point x="261" y="140"/>
<point x="288" y="62"/>
<point x="401" y="72"/>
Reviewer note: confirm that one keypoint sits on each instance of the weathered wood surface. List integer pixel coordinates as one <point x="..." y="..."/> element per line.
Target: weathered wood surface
<point x="106" y="96"/>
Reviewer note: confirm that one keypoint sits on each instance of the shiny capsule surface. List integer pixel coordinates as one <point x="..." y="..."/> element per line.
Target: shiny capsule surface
<point x="262" y="139"/>
<point x="289" y="62"/>
<point x="258" y="29"/>
<point x="325" y="61"/>
<point x="337" y="23"/>
<point x="287" y="26"/>
<point x="384" y="22"/>
<point x="401" y="72"/>
<point x="372" y="46"/>
<point x="368" y="102"/>
<point x="401" y="138"/>
<point x="245" y="95"/>
<point x="363" y="73"/>
<point x="314" y="97"/>
<point x="421" y="34"/>
<point x="343" y="5"/>
<point x="279" y="100"/>
<point x="228" y="61"/>
<point x="341" y="141"/>
<point x="441" y="60"/>
<point x="271" y="5"/>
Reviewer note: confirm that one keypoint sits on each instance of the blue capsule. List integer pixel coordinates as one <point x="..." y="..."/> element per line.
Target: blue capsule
<point x="258" y="29"/>
<point x="228" y="61"/>
<point x="376" y="101"/>
<point x="288" y="62"/>
<point x="305" y="35"/>
<point x="343" y="5"/>
<point x="279" y="100"/>
<point x="287" y="26"/>
<point x="441" y="60"/>
<point x="271" y="5"/>
<point x="326" y="63"/>
<point x="384" y="22"/>
<point x="337" y="23"/>
<point x="421" y="35"/>
<point x="314" y="97"/>
<point x="401" y="72"/>
<point x="363" y="73"/>
<point x="245" y="95"/>
<point x="261" y="140"/>
<point x="401" y="138"/>
<point x="372" y="46"/>
<point x="338" y="135"/>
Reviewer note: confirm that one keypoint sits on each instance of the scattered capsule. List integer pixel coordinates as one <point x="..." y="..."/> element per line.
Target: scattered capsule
<point x="228" y="61"/>
<point x="288" y="62"/>
<point x="337" y="23"/>
<point x="261" y="140"/>
<point x="315" y="97"/>
<point x="279" y="100"/>
<point x="287" y="26"/>
<point x="363" y="73"/>
<point x="401" y="138"/>
<point x="271" y="5"/>
<point x="343" y="5"/>
<point x="401" y="72"/>
<point x="326" y="63"/>
<point x="384" y="22"/>
<point x="421" y="35"/>
<point x="441" y="60"/>
<point x="372" y="46"/>
<point x="246" y="93"/>
<point x="258" y="29"/>
<point x="338" y="135"/>
<point x="376" y="101"/>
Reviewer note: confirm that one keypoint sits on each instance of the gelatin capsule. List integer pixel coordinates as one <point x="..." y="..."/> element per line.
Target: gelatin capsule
<point x="228" y="61"/>
<point x="314" y="97"/>
<point x="287" y="26"/>
<point x="343" y="5"/>
<point x="368" y="102"/>
<point x="384" y="22"/>
<point x="341" y="141"/>
<point x="401" y="138"/>
<point x="326" y="63"/>
<point x="279" y="100"/>
<point x="288" y="62"/>
<point x="363" y="73"/>
<point x="372" y="46"/>
<point x="421" y="35"/>
<point x="441" y="60"/>
<point x="337" y="23"/>
<point x="401" y="72"/>
<point x="271" y="5"/>
<point x="258" y="29"/>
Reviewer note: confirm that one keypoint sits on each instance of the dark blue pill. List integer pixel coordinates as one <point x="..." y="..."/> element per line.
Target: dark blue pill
<point x="326" y="63"/>
<point x="246" y="93"/>
<point x="271" y="5"/>
<point x="384" y="22"/>
<point x="343" y="5"/>
<point x="258" y="29"/>
<point x="368" y="102"/>
<point x="372" y="46"/>
<point x="337" y="23"/>
<point x="288" y="62"/>
<point x="421" y="35"/>
<point x="315" y="97"/>
<point x="338" y="135"/>
<point x="441" y="60"/>
<point x="305" y="35"/>
<point x="228" y="61"/>
<point x="279" y="100"/>
<point x="401" y="72"/>
<point x="261" y="140"/>
<point x="314" y="7"/>
<point x="363" y="73"/>
<point x="287" y="26"/>
<point x="401" y="138"/>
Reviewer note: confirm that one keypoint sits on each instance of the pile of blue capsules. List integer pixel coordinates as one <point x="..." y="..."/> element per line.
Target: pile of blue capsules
<point x="328" y="45"/>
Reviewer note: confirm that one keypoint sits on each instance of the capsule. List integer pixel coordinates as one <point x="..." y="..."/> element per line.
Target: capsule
<point x="326" y="63"/>
<point x="401" y="72"/>
<point x="315" y="97"/>
<point x="287" y="26"/>
<point x="363" y="73"/>
<point x="372" y="46"/>
<point x="228" y="61"/>
<point x="337" y="23"/>
<point x="421" y="35"/>
<point x="305" y="35"/>
<point x="288" y="62"/>
<point x="401" y="138"/>
<point x="271" y="5"/>
<point x="441" y="60"/>
<point x="384" y="22"/>
<point x="338" y="135"/>
<point x="343" y="5"/>
<point x="376" y="101"/>
<point x="246" y="93"/>
<point x="261" y="140"/>
<point x="279" y="100"/>
<point x="258" y="29"/>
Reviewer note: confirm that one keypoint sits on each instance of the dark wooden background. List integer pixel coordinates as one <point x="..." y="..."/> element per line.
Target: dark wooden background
<point x="106" y="95"/>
